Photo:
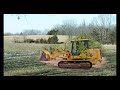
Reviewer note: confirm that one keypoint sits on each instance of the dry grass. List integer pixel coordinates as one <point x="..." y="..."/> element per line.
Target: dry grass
<point x="22" y="59"/>
<point x="62" y="38"/>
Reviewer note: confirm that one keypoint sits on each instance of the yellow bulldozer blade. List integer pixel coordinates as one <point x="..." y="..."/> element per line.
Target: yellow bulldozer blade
<point x="43" y="57"/>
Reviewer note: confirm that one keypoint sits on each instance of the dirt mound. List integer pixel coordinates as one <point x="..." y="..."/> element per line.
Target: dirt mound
<point x="52" y="62"/>
<point x="55" y="62"/>
<point x="100" y="64"/>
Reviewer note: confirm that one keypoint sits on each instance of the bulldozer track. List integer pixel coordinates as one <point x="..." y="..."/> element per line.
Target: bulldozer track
<point x="84" y="64"/>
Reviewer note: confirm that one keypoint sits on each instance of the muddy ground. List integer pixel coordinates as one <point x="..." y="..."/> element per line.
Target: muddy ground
<point x="55" y="62"/>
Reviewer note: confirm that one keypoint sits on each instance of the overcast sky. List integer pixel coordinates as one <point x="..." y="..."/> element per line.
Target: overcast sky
<point x="41" y="21"/>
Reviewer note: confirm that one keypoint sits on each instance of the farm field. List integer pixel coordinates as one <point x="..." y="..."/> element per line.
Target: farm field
<point x="21" y="59"/>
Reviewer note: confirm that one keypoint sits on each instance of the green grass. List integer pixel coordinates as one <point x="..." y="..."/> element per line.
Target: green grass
<point x="22" y="60"/>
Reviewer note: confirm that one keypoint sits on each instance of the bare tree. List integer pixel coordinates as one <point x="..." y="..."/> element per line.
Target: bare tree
<point x="70" y="27"/>
<point x="103" y="23"/>
<point x="105" y="20"/>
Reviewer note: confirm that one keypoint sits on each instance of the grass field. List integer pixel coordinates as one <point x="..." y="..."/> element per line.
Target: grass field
<point x="22" y="60"/>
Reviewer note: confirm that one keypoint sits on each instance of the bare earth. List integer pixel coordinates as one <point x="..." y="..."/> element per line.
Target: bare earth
<point x="55" y="62"/>
<point x="100" y="64"/>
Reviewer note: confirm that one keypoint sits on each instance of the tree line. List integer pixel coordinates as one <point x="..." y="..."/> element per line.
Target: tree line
<point x="101" y="29"/>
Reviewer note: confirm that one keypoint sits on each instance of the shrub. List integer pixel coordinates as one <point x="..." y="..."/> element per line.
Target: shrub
<point x="29" y="41"/>
<point x="53" y="40"/>
<point x="49" y="40"/>
<point x="37" y="41"/>
<point x="45" y="41"/>
<point x="41" y="40"/>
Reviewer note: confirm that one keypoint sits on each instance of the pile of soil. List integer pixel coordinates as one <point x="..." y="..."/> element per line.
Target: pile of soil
<point x="55" y="62"/>
<point x="52" y="62"/>
<point x="100" y="64"/>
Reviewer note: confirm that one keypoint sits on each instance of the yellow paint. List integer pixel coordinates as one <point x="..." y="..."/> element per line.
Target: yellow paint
<point x="93" y="55"/>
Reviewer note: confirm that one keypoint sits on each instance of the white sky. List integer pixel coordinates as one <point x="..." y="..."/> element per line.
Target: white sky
<point x="42" y="21"/>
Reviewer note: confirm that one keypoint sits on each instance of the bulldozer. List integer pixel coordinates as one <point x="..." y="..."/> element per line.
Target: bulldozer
<point x="75" y="58"/>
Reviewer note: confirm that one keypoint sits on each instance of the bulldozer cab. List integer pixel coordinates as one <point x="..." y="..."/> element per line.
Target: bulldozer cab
<point x="76" y="44"/>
